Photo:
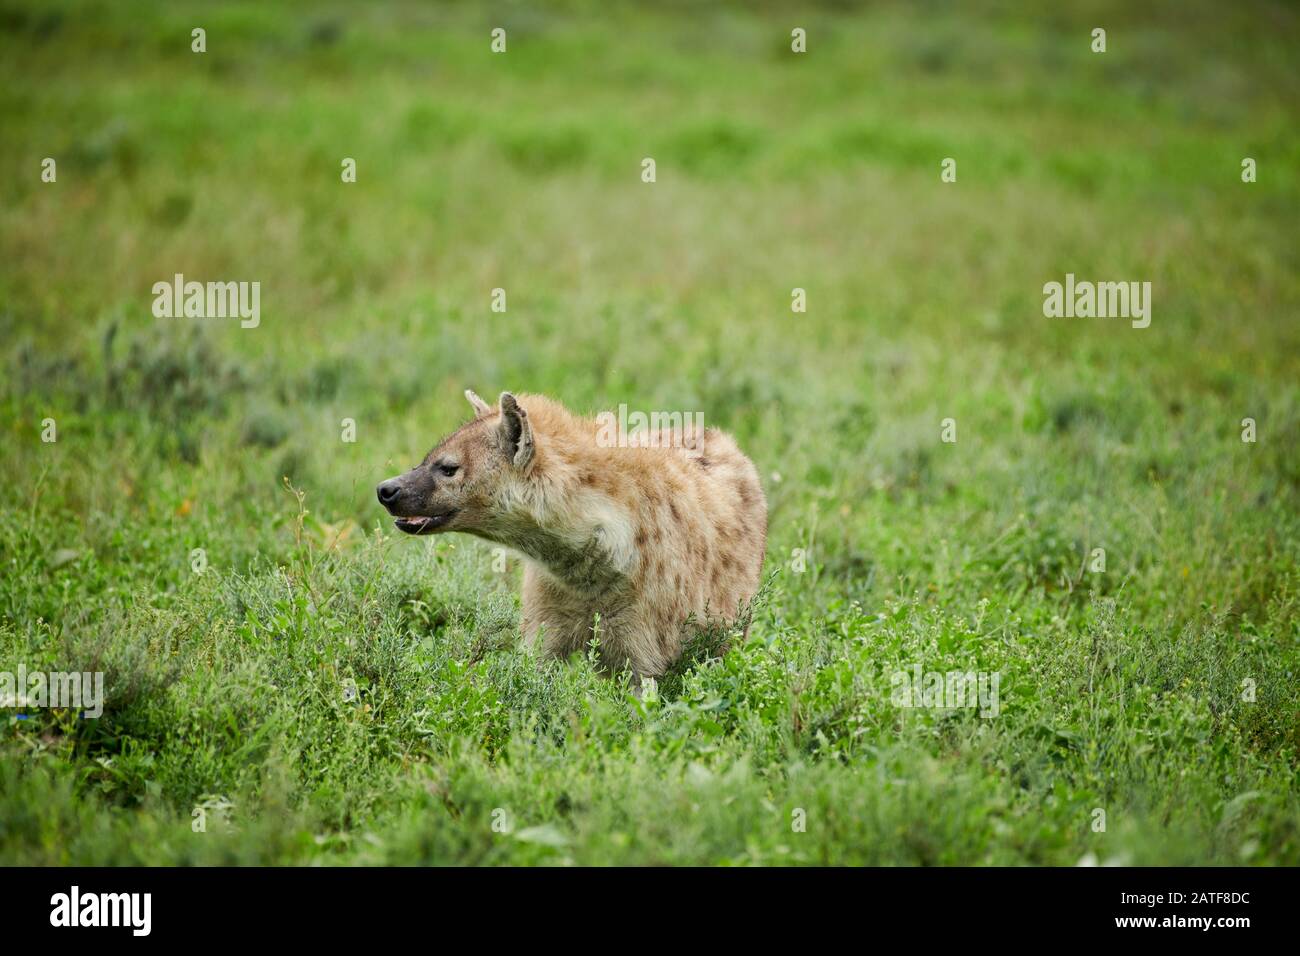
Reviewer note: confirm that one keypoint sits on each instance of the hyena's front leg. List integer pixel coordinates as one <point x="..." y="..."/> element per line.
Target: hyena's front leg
<point x="558" y="623"/>
<point x="550" y="624"/>
<point x="645" y="644"/>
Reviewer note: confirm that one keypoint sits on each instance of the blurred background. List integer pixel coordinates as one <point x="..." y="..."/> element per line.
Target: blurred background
<point x="521" y="171"/>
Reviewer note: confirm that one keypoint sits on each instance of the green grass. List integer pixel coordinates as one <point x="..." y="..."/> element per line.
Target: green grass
<point x="231" y="689"/>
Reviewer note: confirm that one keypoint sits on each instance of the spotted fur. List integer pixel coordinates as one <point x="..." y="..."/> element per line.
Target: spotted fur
<point x="644" y="538"/>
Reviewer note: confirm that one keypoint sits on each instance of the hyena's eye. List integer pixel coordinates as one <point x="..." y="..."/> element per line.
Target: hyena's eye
<point x="449" y="470"/>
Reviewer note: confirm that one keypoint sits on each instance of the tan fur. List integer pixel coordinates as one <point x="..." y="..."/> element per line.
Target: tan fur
<point x="645" y="537"/>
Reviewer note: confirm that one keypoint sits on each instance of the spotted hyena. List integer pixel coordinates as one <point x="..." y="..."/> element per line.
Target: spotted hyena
<point x="645" y="537"/>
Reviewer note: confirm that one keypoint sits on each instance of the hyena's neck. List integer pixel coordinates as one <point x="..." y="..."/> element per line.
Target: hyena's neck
<point x="584" y="545"/>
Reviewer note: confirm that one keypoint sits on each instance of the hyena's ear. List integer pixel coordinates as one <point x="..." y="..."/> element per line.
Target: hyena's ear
<point x="481" y="408"/>
<point x="515" y="432"/>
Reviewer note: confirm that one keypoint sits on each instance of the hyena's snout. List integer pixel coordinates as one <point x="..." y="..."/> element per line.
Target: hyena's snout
<point x="389" y="492"/>
<point x="405" y="496"/>
<point x="413" y="502"/>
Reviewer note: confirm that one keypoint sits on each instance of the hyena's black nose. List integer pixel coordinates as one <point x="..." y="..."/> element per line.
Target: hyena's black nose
<point x="388" y="491"/>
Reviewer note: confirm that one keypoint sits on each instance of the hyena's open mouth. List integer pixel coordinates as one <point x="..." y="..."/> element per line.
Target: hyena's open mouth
<point x="424" y="525"/>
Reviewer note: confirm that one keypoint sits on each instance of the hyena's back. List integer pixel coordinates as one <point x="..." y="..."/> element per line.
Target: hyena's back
<point x="695" y="537"/>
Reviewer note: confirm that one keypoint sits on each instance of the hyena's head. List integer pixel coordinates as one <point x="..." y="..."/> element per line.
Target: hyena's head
<point x="462" y="484"/>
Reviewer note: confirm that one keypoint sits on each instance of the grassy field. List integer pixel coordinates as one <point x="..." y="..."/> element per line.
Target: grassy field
<point x="330" y="691"/>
